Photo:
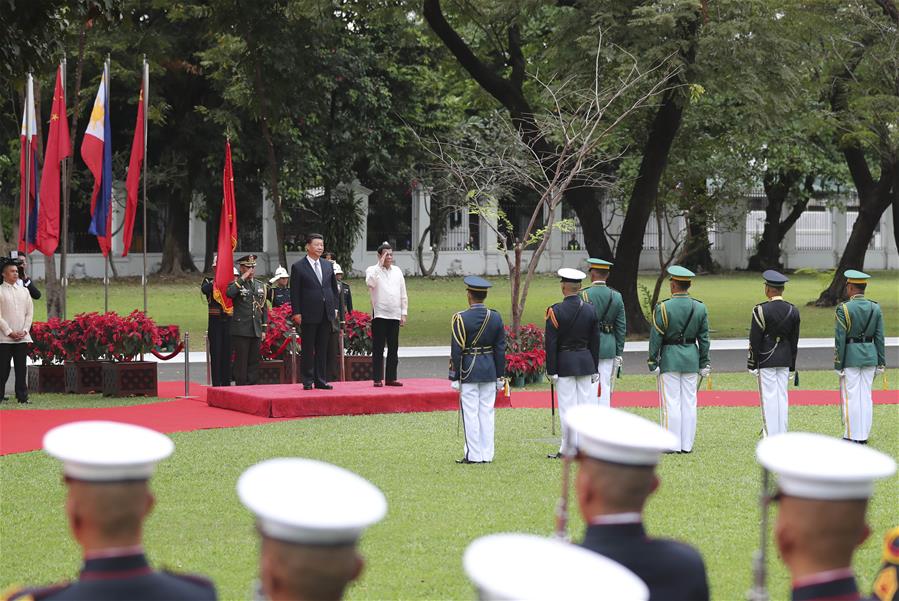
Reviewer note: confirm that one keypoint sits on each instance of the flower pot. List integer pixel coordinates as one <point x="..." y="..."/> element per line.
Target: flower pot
<point x="357" y="368"/>
<point x="273" y="372"/>
<point x="129" y="378"/>
<point x="83" y="377"/>
<point x="518" y="381"/>
<point x="46" y="378"/>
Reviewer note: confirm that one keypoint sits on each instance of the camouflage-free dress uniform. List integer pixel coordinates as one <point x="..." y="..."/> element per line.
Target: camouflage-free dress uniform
<point x="612" y="327"/>
<point x="248" y="325"/>
<point x="219" y="333"/>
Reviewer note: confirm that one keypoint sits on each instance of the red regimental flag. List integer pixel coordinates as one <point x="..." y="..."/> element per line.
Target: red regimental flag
<point x="227" y="242"/>
<point x="132" y="182"/>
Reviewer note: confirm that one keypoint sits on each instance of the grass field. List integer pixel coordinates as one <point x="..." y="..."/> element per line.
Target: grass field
<point x="436" y="507"/>
<point x="729" y="297"/>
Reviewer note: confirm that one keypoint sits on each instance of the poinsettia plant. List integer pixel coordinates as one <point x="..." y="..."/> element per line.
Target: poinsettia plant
<point x="47" y="341"/>
<point x="130" y="336"/>
<point x="357" y="334"/>
<point x="528" y="363"/>
<point x="275" y="344"/>
<point x="169" y="337"/>
<point x="528" y="338"/>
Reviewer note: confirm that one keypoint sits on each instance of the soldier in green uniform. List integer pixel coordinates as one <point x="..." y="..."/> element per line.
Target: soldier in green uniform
<point x="678" y="351"/>
<point x="858" y="354"/>
<point x="248" y="322"/>
<point x="612" y="325"/>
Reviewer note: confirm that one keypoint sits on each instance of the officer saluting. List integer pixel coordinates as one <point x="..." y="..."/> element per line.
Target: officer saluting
<point x="609" y="307"/>
<point x="858" y="354"/>
<point x="249" y="321"/>
<point x="572" y="350"/>
<point x="678" y="351"/>
<point x="773" y="344"/>
<point x="107" y="466"/>
<point x="219" y="333"/>
<point x="477" y="365"/>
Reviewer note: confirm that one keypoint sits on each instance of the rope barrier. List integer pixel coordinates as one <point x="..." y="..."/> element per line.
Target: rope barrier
<point x="281" y="350"/>
<point x="171" y="355"/>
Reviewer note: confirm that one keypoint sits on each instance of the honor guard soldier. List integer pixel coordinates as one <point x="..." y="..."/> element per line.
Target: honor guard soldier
<point x="609" y="308"/>
<point x="278" y="292"/>
<point x="526" y="566"/>
<point x="310" y="516"/>
<point x="249" y="321"/>
<point x="219" y="333"/>
<point x="617" y="454"/>
<point x="822" y="494"/>
<point x="858" y="354"/>
<point x="571" y="340"/>
<point x="107" y="466"/>
<point x="678" y="351"/>
<point x="477" y="365"/>
<point x="773" y="344"/>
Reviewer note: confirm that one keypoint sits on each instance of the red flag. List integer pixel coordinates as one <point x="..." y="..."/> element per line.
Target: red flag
<point x="58" y="148"/>
<point x="132" y="183"/>
<point x="29" y="175"/>
<point x="224" y="268"/>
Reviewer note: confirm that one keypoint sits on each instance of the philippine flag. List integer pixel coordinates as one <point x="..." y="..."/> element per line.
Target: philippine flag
<point x="96" y="151"/>
<point x="30" y="172"/>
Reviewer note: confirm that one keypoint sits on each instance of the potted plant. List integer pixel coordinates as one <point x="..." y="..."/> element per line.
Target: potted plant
<point x="357" y="346"/>
<point x="169" y="338"/>
<point x="275" y="349"/>
<point x="516" y="369"/>
<point x="48" y="373"/>
<point x="127" y="339"/>
<point x="86" y="347"/>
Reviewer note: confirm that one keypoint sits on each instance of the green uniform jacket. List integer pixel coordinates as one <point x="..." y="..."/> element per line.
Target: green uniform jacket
<point x="858" y="335"/>
<point x="610" y="318"/>
<point x="250" y="313"/>
<point x="674" y="344"/>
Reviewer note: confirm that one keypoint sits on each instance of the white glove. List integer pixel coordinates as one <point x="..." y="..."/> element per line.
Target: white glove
<point x="500" y="383"/>
<point x="656" y="371"/>
<point x="594" y="378"/>
<point x="754" y="372"/>
<point x="454" y="384"/>
<point x="840" y="372"/>
<point x="554" y="378"/>
<point x="619" y="360"/>
<point x="880" y="369"/>
<point x="705" y="371"/>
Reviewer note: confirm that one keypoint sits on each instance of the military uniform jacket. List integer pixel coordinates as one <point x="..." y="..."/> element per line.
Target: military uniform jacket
<point x="344" y="299"/>
<point x="215" y="309"/>
<point x="571" y="338"/>
<point x="773" y="335"/>
<point x="838" y="589"/>
<point x="671" y="570"/>
<point x="858" y="336"/>
<point x="478" y="347"/>
<point x="127" y="577"/>
<point x="610" y="318"/>
<point x="679" y="338"/>
<point x="250" y="314"/>
<point x="278" y="296"/>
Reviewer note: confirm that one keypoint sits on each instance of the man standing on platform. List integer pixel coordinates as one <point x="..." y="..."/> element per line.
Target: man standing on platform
<point x="218" y="332"/>
<point x="609" y="308"/>
<point x="773" y="344"/>
<point x="571" y="340"/>
<point x="248" y="323"/>
<point x="678" y="351"/>
<point x="477" y="365"/>
<point x="313" y="297"/>
<point x="859" y="354"/>
<point x="389" y="308"/>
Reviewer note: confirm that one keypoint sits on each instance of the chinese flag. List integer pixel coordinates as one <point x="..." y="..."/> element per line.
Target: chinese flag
<point x="58" y="148"/>
<point x="132" y="182"/>
<point x="224" y="268"/>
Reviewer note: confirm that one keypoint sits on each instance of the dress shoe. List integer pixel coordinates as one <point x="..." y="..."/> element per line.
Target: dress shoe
<point x="324" y="386"/>
<point x="466" y="461"/>
<point x="554" y="456"/>
<point x="307" y="386"/>
<point x="25" y="401"/>
<point x="393" y="383"/>
<point x="378" y="384"/>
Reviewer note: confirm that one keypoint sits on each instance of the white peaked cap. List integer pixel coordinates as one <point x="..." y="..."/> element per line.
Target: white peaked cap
<point x="813" y="466"/>
<point x="100" y="451"/>
<point x="525" y="566"/>
<point x="279" y="273"/>
<point x="618" y="436"/>
<point x="310" y="502"/>
<point x="567" y="273"/>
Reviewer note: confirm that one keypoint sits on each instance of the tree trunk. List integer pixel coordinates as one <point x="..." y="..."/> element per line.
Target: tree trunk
<point x="176" y="259"/>
<point x="515" y="276"/>
<point x="697" y="255"/>
<point x="589" y="213"/>
<point x="777" y="190"/>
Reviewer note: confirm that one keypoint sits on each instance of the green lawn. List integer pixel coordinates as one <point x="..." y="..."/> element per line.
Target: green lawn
<point x="436" y="507"/>
<point x="729" y="297"/>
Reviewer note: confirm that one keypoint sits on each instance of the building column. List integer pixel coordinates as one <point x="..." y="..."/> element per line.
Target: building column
<point x="362" y="194"/>
<point x="269" y="233"/>
<point x="838" y="235"/>
<point x="788" y="246"/>
<point x="489" y="239"/>
<point x="196" y="235"/>
<point x="556" y="238"/>
<point x="118" y="216"/>
<point x="890" y="251"/>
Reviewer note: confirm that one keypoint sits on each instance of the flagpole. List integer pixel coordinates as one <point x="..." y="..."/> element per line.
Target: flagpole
<point x="106" y="258"/>
<point x="63" y="278"/>
<point x="146" y="102"/>
<point x="29" y="157"/>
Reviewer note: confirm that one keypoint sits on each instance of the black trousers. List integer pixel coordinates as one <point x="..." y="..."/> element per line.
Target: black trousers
<point x="246" y="359"/>
<point x="315" y="337"/>
<point x="18" y="352"/>
<point x="219" y="329"/>
<point x="334" y="356"/>
<point x="384" y="330"/>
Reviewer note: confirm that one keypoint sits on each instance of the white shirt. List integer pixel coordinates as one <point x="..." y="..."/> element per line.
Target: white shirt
<point x="16" y="312"/>
<point x="388" y="292"/>
<point x="312" y="263"/>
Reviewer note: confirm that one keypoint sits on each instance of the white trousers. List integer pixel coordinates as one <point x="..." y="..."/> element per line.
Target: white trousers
<point x="478" y="399"/>
<point x="677" y="401"/>
<point x="606" y="369"/>
<point x="773" y="382"/>
<point x="858" y="408"/>
<point x="571" y="392"/>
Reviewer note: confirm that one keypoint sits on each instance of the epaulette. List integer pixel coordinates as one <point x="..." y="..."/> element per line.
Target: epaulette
<point x="886" y="584"/>
<point x="550" y="315"/>
<point x="698" y="301"/>
<point x="33" y="593"/>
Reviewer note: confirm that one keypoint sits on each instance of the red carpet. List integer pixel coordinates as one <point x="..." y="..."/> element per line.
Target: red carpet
<point x="347" y="398"/>
<point x="709" y="398"/>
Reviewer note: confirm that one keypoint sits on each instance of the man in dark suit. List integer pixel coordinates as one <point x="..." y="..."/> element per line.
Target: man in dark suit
<point x="617" y="453"/>
<point x="313" y="297"/>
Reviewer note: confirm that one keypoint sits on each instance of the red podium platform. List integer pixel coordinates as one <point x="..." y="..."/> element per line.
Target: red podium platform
<point x="347" y="398"/>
